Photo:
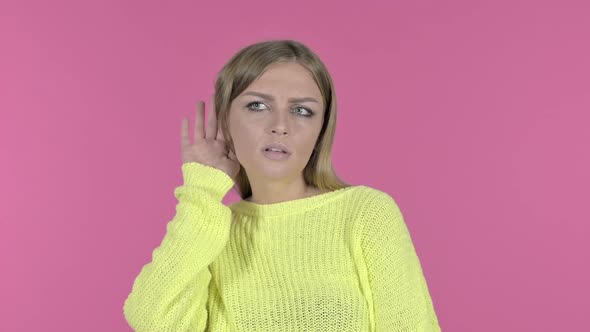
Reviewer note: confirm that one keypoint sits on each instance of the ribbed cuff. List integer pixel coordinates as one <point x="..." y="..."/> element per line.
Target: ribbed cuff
<point x="214" y="180"/>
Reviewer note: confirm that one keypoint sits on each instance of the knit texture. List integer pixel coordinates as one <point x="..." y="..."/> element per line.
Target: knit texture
<point x="339" y="261"/>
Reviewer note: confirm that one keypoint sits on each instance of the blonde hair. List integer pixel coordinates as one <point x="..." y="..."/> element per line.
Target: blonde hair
<point x="244" y="68"/>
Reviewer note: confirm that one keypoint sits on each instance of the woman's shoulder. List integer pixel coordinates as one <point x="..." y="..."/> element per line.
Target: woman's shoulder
<point x="372" y="194"/>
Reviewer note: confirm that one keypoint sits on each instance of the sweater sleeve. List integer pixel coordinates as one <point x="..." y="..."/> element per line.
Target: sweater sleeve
<point x="399" y="293"/>
<point x="170" y="293"/>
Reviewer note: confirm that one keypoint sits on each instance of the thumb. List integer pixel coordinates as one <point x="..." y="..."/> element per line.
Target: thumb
<point x="232" y="156"/>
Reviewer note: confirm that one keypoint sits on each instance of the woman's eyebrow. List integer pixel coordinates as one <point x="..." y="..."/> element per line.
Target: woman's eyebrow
<point x="271" y="98"/>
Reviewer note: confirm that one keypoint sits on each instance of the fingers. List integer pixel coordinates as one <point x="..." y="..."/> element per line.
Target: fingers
<point x="219" y="135"/>
<point x="232" y="156"/>
<point x="199" y="120"/>
<point x="219" y="132"/>
<point x="185" y="140"/>
<point x="212" y="120"/>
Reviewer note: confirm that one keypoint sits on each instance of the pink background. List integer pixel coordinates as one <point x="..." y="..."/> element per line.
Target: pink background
<point x="473" y="115"/>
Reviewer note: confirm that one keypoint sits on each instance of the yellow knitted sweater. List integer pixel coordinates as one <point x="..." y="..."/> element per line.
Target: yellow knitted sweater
<point x="339" y="261"/>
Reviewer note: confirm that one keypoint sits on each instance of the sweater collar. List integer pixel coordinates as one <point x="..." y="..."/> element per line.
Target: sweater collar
<point x="288" y="207"/>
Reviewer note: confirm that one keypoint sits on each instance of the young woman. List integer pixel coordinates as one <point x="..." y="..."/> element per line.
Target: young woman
<point x="302" y="250"/>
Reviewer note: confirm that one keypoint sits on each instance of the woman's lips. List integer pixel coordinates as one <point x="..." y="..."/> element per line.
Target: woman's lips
<point x="275" y="155"/>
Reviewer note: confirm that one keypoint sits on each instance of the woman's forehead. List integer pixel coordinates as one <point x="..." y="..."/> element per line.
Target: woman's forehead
<point x="288" y="87"/>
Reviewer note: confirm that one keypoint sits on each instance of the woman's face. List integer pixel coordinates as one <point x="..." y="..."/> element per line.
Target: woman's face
<point x="255" y="121"/>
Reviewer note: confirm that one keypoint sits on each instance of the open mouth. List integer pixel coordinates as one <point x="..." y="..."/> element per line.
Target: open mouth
<point x="275" y="150"/>
<point x="275" y="155"/>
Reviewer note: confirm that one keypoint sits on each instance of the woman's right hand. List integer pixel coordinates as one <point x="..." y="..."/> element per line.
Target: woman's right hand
<point x="209" y="147"/>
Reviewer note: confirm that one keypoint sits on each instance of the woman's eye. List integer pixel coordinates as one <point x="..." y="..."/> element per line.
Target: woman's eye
<point x="254" y="103"/>
<point x="310" y="113"/>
